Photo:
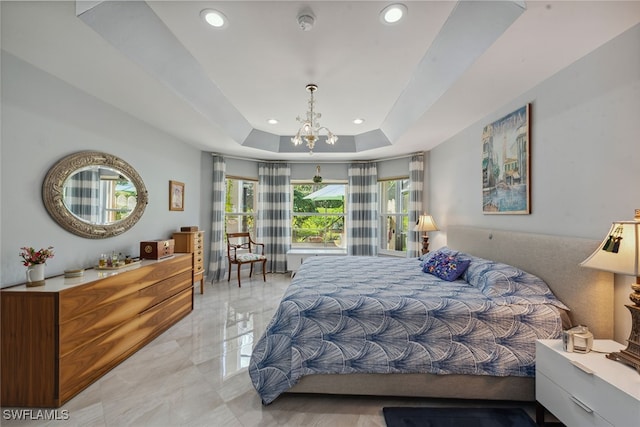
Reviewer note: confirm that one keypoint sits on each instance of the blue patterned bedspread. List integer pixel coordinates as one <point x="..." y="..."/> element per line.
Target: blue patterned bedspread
<point x="345" y="315"/>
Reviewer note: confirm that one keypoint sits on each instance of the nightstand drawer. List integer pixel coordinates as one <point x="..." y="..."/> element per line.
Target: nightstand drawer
<point x="569" y="409"/>
<point x="587" y="384"/>
<point x="609" y="388"/>
<point x="573" y="380"/>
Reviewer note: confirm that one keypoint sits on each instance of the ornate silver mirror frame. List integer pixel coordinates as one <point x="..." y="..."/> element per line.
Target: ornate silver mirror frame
<point x="53" y="193"/>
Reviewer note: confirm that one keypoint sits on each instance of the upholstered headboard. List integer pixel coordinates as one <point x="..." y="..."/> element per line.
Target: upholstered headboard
<point x="555" y="259"/>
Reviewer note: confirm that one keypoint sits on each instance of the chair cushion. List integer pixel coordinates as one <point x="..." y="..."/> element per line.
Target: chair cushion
<point x="249" y="257"/>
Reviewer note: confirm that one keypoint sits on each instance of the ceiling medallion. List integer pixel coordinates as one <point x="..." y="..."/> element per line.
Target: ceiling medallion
<point x="310" y="130"/>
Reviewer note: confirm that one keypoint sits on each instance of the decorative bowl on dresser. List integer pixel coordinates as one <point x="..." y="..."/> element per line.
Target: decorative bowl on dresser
<point x="59" y="338"/>
<point x="192" y="242"/>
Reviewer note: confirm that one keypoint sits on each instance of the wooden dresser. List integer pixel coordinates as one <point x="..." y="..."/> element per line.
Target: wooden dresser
<point x="192" y="242"/>
<point x="59" y="338"/>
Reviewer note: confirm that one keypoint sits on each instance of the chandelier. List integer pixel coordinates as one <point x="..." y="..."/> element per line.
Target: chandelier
<point x="309" y="132"/>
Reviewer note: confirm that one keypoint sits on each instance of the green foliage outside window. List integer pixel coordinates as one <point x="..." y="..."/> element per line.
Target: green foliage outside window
<point x="316" y="222"/>
<point x="239" y="206"/>
<point x="123" y="211"/>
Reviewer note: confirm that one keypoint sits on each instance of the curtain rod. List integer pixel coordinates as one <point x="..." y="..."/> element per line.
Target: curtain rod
<point x="312" y="161"/>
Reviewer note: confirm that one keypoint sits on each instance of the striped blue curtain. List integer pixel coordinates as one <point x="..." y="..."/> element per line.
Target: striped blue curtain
<point x="274" y="214"/>
<point x="362" y="227"/>
<point x="217" y="255"/>
<point x="416" y="183"/>
<point x="82" y="197"/>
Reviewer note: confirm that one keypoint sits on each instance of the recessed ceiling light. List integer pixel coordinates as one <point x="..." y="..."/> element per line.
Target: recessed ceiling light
<point x="214" y="18"/>
<point x="272" y="121"/>
<point x="393" y="13"/>
<point x="358" y="121"/>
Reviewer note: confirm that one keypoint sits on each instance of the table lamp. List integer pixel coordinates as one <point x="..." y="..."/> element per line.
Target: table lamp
<point x="619" y="253"/>
<point x="425" y="224"/>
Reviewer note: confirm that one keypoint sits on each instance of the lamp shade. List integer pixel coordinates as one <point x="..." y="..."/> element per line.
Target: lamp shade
<point x="426" y="223"/>
<point x="619" y="251"/>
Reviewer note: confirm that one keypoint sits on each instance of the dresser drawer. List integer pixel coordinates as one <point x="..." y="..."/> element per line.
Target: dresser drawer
<point x="77" y="301"/>
<point x="165" y="288"/>
<point x="90" y="325"/>
<point x="567" y="408"/>
<point x="89" y="362"/>
<point x="198" y="260"/>
<point x="189" y="241"/>
<point x="198" y="267"/>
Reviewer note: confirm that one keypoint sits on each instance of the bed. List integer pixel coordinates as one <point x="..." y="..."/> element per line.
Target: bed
<point x="381" y="326"/>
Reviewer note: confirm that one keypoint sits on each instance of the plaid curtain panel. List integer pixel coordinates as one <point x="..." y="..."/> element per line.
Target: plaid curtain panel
<point x="217" y="256"/>
<point x="416" y="182"/>
<point x="274" y="214"/>
<point x="82" y="196"/>
<point x="362" y="227"/>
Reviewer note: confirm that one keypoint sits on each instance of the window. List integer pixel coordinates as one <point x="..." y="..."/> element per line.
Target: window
<point x="124" y="198"/>
<point x="394" y="214"/>
<point x="240" y="204"/>
<point x="318" y="218"/>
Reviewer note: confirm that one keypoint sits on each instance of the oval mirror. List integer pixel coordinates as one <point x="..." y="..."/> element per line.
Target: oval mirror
<point x="94" y="194"/>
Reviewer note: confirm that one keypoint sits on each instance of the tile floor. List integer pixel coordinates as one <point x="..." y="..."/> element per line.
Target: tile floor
<point x="195" y="374"/>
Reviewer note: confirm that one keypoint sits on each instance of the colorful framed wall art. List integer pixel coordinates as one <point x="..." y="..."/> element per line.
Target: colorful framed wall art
<point x="506" y="172"/>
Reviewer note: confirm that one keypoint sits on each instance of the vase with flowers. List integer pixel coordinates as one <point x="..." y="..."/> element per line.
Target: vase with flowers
<point x="35" y="262"/>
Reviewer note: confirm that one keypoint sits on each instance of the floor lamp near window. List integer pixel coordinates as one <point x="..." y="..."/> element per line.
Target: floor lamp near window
<point x="619" y="253"/>
<point x="425" y="224"/>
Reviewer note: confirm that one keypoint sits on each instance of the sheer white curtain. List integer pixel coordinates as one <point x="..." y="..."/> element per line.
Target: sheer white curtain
<point x="274" y="214"/>
<point x="416" y="184"/>
<point x="217" y="256"/>
<point x="362" y="227"/>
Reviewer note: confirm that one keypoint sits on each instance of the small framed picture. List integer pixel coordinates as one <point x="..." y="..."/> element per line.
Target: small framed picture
<point x="176" y="196"/>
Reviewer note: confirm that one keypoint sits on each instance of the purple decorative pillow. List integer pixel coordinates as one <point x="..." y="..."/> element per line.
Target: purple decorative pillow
<point x="447" y="267"/>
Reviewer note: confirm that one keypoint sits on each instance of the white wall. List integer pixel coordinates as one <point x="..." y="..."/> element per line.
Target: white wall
<point x="45" y="119"/>
<point x="585" y="156"/>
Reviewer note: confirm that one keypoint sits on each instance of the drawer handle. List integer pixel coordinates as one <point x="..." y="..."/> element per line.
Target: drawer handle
<point x="582" y="405"/>
<point x="582" y="367"/>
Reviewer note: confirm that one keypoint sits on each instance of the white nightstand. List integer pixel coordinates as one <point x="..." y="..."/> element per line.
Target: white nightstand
<point x="586" y="389"/>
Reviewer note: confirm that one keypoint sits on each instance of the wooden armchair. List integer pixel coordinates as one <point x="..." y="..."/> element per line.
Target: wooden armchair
<point x="248" y="253"/>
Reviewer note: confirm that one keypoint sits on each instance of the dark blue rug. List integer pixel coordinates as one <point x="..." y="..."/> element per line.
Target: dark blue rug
<point x="457" y="417"/>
